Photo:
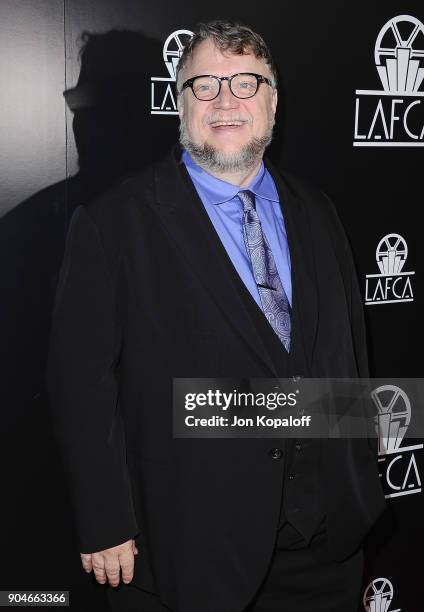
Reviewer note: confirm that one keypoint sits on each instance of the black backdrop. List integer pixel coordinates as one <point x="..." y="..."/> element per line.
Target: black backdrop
<point x="57" y="152"/>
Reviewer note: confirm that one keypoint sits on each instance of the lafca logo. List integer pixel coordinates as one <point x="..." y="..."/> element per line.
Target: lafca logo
<point x="393" y="284"/>
<point x="398" y="465"/>
<point x="163" y="90"/>
<point x="378" y="596"/>
<point x="394" y="116"/>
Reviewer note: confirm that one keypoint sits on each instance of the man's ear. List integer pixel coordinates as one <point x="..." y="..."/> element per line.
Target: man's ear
<point x="274" y="99"/>
<point x="180" y="104"/>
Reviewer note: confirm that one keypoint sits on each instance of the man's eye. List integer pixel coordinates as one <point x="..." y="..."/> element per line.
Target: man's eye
<point x="246" y="85"/>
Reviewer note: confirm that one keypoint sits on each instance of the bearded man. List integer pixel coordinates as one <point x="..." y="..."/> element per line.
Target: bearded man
<point x="211" y="264"/>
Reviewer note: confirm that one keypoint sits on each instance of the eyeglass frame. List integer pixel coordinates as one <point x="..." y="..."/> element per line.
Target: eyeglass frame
<point x="259" y="79"/>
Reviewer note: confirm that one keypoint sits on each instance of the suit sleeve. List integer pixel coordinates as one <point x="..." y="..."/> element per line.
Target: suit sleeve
<point x="353" y="293"/>
<point x="356" y="312"/>
<point x="83" y="392"/>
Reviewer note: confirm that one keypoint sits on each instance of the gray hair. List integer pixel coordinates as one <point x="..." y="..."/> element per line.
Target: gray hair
<point x="229" y="36"/>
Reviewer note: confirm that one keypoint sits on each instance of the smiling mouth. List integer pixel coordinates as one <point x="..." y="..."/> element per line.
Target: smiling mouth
<point x="221" y="125"/>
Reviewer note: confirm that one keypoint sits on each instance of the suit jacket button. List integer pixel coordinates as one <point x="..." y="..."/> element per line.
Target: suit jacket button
<point x="276" y="453"/>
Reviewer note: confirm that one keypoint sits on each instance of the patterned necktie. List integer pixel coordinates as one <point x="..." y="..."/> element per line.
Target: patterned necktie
<point x="273" y="297"/>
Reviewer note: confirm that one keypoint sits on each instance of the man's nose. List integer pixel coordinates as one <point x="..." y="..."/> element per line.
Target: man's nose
<point x="226" y="99"/>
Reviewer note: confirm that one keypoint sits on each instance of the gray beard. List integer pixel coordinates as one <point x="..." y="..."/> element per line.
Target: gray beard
<point x="213" y="160"/>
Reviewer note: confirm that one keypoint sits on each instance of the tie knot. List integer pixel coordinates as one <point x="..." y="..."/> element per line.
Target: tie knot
<point x="248" y="200"/>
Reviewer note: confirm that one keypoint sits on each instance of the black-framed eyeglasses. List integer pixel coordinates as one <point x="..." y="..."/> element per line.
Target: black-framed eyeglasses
<point x="242" y="85"/>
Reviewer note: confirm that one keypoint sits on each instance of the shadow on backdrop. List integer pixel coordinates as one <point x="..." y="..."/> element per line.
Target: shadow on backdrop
<point x="112" y="127"/>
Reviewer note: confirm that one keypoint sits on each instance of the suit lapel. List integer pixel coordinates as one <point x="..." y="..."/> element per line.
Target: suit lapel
<point x="303" y="272"/>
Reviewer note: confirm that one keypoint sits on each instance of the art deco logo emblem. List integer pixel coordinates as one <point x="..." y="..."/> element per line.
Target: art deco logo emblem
<point x="394" y="415"/>
<point x="392" y="284"/>
<point x="163" y="93"/>
<point x="398" y="466"/>
<point x="394" y="116"/>
<point x="378" y="596"/>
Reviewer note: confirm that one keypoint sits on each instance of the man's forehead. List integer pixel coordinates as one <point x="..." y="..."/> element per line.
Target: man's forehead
<point x="207" y="58"/>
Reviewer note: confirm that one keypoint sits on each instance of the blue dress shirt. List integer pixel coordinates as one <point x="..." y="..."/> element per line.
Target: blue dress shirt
<point x="225" y="210"/>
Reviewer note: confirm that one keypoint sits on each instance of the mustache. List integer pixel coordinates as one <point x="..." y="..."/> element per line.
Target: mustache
<point x="215" y="117"/>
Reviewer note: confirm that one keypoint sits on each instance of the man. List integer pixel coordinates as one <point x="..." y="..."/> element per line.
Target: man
<point x="210" y="263"/>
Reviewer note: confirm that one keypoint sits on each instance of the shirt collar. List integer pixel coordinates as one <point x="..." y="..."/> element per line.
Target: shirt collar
<point x="219" y="191"/>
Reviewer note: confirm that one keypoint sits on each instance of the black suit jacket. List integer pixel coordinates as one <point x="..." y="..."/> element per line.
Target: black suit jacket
<point x="146" y="293"/>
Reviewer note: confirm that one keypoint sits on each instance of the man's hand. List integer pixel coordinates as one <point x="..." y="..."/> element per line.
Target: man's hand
<point x="109" y="562"/>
